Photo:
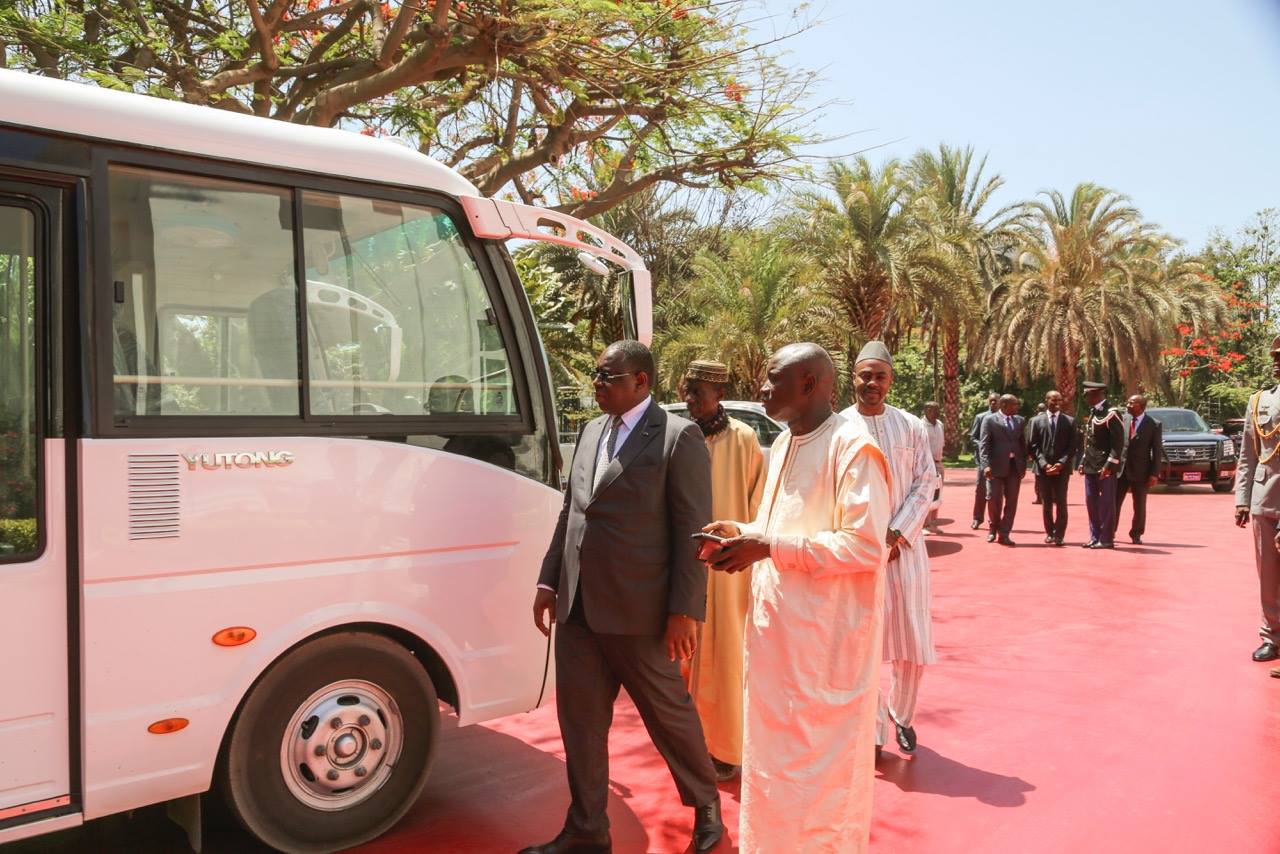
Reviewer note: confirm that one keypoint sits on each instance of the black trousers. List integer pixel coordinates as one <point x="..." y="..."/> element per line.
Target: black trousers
<point x="1002" y="502"/>
<point x="1139" y="490"/>
<point x="1053" y="493"/>
<point x="590" y="668"/>
<point x="979" y="498"/>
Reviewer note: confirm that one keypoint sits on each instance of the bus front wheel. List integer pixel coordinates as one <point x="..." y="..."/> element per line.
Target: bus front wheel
<point x="332" y="746"/>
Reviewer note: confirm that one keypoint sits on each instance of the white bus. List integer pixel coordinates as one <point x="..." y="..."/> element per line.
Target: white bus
<point x="279" y="464"/>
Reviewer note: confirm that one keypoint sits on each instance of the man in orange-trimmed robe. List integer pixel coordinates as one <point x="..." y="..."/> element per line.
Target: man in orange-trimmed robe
<point x="737" y="480"/>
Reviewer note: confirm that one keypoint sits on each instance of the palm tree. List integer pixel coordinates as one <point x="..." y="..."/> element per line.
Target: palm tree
<point x="737" y="308"/>
<point x="880" y="265"/>
<point x="1092" y="288"/>
<point x="954" y="194"/>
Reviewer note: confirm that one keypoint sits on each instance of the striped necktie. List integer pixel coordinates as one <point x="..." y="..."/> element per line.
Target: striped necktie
<point x="607" y="449"/>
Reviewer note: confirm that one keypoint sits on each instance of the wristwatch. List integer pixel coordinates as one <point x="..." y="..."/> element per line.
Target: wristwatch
<point x="897" y="535"/>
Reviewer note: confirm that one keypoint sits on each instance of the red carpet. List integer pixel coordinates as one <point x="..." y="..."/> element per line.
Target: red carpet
<point x="1084" y="702"/>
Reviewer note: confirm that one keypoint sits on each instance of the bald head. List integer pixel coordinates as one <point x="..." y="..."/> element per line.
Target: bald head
<point x="800" y="382"/>
<point x="809" y="358"/>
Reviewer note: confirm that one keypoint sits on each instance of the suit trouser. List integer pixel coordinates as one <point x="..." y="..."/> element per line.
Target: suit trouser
<point x="979" y="497"/>
<point x="1139" y="490"/>
<point x="590" y="668"/>
<point x="1002" y="501"/>
<point x="1268" y="557"/>
<point x="1100" y="501"/>
<point x="904" y="690"/>
<point x="1053" y="493"/>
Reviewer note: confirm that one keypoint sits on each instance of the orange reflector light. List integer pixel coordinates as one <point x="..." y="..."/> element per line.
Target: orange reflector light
<point x="234" y="636"/>
<point x="168" y="725"/>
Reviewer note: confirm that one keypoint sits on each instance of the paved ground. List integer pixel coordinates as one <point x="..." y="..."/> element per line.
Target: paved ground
<point x="1084" y="702"/>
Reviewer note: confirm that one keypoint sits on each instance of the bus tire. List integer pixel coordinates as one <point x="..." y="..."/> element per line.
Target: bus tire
<point x="332" y="746"/>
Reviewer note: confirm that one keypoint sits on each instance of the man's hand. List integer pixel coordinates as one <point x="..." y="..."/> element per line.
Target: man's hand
<point x="740" y="552"/>
<point x="723" y="529"/>
<point x="544" y="610"/>
<point x="1242" y="516"/>
<point x="894" y="553"/>
<point x="1105" y="473"/>
<point x="682" y="637"/>
<point x="1152" y="481"/>
<point x="986" y="472"/>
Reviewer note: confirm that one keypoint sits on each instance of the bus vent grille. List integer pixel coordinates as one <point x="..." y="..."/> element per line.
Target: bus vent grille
<point x="154" y="496"/>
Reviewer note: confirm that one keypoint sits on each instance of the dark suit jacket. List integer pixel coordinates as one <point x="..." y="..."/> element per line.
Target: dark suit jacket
<point x="627" y="546"/>
<point x="1060" y="447"/>
<point x="975" y="432"/>
<point x="1144" y="454"/>
<point x="998" y="442"/>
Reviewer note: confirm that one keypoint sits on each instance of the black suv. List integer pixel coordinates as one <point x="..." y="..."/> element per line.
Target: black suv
<point x="1192" y="452"/>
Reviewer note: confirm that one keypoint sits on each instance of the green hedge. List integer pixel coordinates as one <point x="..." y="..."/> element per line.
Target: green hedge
<point x="21" y="534"/>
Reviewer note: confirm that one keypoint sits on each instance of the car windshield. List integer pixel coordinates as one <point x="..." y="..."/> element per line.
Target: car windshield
<point x="1180" y="421"/>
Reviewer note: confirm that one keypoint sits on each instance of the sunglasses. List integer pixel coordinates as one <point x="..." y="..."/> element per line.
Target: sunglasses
<point x="601" y="375"/>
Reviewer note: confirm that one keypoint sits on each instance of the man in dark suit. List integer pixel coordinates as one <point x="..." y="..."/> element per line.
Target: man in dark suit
<point x="1142" y="458"/>
<point x="975" y="435"/>
<point x="1102" y="429"/>
<point x="1003" y="452"/>
<point x="1053" y="447"/>
<point x="627" y="591"/>
<point x="1035" y="465"/>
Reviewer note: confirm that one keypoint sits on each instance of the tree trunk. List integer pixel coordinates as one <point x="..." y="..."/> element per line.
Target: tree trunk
<point x="951" y="387"/>
<point x="1064" y="379"/>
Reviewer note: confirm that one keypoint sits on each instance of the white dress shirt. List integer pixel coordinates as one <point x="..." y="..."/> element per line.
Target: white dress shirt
<point x="629" y="420"/>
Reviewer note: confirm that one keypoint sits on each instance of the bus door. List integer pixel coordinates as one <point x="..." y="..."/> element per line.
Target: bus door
<point x="35" y="768"/>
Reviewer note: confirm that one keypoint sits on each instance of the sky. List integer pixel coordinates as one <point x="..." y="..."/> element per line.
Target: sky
<point x="1175" y="104"/>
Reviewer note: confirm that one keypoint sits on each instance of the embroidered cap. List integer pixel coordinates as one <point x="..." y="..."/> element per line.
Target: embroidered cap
<point x="1090" y="385"/>
<point x="707" y="371"/>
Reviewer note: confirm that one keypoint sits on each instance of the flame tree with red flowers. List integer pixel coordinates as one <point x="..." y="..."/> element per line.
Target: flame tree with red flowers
<point x="573" y="105"/>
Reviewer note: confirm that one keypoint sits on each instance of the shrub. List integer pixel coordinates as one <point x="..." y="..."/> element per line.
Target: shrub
<point x="21" y="534"/>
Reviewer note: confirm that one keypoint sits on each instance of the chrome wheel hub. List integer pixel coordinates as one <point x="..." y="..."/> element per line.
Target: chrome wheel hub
<point x="341" y="745"/>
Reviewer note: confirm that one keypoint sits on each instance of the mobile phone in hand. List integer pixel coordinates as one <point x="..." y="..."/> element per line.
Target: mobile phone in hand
<point x="708" y="544"/>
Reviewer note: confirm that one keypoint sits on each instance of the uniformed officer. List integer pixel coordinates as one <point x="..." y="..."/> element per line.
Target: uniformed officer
<point x="1103" y="429"/>
<point x="1258" y="495"/>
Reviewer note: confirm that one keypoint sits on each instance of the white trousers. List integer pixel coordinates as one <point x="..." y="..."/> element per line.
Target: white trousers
<point x="900" y="708"/>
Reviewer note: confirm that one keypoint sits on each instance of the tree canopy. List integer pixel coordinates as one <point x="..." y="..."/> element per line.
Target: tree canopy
<point x="573" y="105"/>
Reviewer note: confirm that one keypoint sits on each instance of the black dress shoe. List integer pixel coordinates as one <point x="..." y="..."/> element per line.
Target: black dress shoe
<point x="976" y="524"/>
<point x="991" y="538"/>
<point x="707" y="827"/>
<point x="571" y="843"/>
<point x="906" y="738"/>
<point x="1089" y="544"/>
<point x="1103" y="546"/>
<point x="1057" y="541"/>
<point x="1005" y="541"/>
<point x="1136" y="540"/>
<point x="1267" y="652"/>
<point x="725" y="771"/>
<point x="1048" y="541"/>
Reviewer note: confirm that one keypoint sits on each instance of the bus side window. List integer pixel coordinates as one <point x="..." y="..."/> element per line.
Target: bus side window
<point x="400" y="323"/>
<point x="208" y="324"/>
<point x="18" y="399"/>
